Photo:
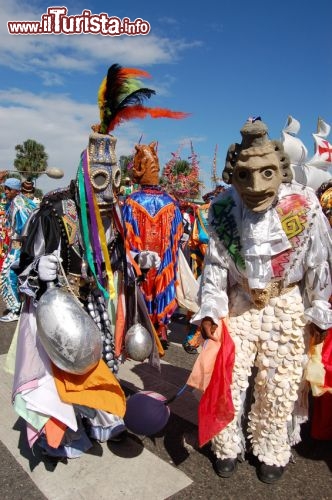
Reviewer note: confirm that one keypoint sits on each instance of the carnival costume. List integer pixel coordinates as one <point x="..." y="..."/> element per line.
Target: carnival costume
<point x="199" y="239"/>
<point x="4" y="231"/>
<point x="17" y="212"/>
<point x="267" y="272"/>
<point x="198" y="243"/>
<point x="309" y="171"/>
<point x="315" y="172"/>
<point x="153" y="223"/>
<point x="79" y="227"/>
<point x="319" y="370"/>
<point x="65" y="384"/>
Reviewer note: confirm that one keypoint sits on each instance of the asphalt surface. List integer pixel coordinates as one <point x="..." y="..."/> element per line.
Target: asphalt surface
<point x="307" y="477"/>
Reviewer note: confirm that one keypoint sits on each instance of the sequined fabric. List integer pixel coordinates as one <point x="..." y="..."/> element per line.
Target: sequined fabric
<point x="154" y="222"/>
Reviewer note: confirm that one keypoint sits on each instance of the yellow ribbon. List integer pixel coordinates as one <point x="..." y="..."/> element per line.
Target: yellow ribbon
<point x="103" y="243"/>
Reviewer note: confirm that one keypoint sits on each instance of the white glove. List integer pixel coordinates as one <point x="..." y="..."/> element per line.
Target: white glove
<point x="147" y="259"/>
<point x="48" y="267"/>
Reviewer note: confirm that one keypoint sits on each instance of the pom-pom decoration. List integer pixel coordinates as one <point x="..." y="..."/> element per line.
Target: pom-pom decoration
<point x="180" y="178"/>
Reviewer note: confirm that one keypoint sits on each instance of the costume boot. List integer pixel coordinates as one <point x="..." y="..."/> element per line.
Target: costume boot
<point x="269" y="473"/>
<point x="225" y="467"/>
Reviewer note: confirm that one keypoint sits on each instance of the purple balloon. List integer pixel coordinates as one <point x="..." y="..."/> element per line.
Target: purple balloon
<point x="146" y="413"/>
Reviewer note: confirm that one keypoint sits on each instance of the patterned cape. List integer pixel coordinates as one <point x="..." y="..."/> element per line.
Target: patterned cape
<point x="153" y="221"/>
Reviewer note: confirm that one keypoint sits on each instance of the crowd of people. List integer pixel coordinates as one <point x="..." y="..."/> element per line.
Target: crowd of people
<point x="260" y="251"/>
<point x="17" y="206"/>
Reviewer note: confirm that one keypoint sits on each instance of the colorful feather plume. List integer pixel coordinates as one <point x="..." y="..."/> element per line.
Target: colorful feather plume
<point x="121" y="97"/>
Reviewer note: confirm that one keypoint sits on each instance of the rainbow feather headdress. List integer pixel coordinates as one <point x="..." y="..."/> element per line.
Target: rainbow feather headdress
<point x="121" y="96"/>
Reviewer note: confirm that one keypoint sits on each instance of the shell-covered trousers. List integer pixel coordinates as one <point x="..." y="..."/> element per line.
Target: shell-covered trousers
<point x="272" y="340"/>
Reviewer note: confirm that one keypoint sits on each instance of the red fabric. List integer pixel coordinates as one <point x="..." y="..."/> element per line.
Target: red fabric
<point x="321" y="423"/>
<point x="120" y="324"/>
<point x="327" y="360"/>
<point x="216" y="409"/>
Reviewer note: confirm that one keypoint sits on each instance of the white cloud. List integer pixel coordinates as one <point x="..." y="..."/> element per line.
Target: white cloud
<point x="63" y="126"/>
<point x="57" y="119"/>
<point x="56" y="53"/>
<point x="58" y="122"/>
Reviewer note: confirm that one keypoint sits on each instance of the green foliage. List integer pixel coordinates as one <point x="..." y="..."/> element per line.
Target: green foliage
<point x="38" y="193"/>
<point x="182" y="167"/>
<point x="31" y="158"/>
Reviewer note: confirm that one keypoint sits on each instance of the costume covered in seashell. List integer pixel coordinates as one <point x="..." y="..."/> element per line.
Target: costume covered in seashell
<point x="268" y="272"/>
<point x="271" y="339"/>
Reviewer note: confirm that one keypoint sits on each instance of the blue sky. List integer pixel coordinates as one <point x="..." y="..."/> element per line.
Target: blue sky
<point x="220" y="61"/>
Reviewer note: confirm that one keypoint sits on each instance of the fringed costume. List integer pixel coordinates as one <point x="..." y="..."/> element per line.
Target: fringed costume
<point x="154" y="222"/>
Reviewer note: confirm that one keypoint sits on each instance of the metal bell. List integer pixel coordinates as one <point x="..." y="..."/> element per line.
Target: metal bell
<point x="68" y="334"/>
<point x="138" y="342"/>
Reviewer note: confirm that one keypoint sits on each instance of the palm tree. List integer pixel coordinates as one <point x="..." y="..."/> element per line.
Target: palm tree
<point x="31" y="158"/>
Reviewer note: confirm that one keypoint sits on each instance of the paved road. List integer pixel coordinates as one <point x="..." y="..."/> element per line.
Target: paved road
<point x="167" y="466"/>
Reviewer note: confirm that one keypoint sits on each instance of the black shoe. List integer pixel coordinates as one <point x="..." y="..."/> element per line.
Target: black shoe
<point x="190" y="349"/>
<point x="119" y="438"/>
<point x="164" y="344"/>
<point x="225" y="467"/>
<point x="269" y="473"/>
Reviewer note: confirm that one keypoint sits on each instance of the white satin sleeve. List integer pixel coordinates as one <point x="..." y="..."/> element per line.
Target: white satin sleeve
<point x="212" y="295"/>
<point x="317" y="279"/>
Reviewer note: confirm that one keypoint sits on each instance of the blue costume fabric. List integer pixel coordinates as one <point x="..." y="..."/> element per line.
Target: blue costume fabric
<point x="17" y="212"/>
<point x="153" y="222"/>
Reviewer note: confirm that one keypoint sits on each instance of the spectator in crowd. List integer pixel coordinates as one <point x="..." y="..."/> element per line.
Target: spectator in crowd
<point x="17" y="211"/>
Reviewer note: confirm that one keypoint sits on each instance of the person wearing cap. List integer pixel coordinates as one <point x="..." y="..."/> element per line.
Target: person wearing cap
<point x="28" y="189"/>
<point x="265" y="289"/>
<point x="128" y="187"/>
<point x="17" y="210"/>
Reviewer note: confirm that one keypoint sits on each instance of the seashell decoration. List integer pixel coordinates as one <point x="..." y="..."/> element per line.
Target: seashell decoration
<point x="272" y="340"/>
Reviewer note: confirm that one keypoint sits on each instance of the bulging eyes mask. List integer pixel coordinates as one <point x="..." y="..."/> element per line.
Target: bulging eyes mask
<point x="257" y="166"/>
<point x="105" y="174"/>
